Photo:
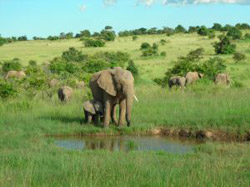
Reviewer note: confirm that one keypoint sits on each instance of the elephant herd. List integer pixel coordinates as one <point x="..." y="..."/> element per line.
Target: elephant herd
<point x="192" y="77"/>
<point x="114" y="87"/>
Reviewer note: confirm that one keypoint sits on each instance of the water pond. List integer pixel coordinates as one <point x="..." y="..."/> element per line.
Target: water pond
<point x="127" y="143"/>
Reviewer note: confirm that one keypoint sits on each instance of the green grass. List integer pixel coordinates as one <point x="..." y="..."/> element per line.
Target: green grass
<point x="29" y="158"/>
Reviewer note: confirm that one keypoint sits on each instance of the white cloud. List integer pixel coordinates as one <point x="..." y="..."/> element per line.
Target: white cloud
<point x="184" y="2"/>
<point x="109" y="2"/>
<point x="83" y="8"/>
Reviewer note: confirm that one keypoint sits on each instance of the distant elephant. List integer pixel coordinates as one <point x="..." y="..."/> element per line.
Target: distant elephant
<point x="92" y="110"/>
<point x="15" y="74"/>
<point x="53" y="83"/>
<point x="177" y="81"/>
<point x="111" y="87"/>
<point x="222" y="78"/>
<point x="192" y="77"/>
<point x="80" y="84"/>
<point x="65" y="93"/>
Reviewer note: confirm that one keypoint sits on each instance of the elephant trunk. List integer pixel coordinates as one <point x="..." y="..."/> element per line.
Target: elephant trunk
<point x="129" y="104"/>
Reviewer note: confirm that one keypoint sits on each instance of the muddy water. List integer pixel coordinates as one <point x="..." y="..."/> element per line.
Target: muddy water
<point x="127" y="143"/>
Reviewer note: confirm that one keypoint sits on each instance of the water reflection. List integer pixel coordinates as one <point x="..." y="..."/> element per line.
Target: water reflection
<point x="127" y="143"/>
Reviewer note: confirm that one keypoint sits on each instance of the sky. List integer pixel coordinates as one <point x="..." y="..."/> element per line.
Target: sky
<point x="51" y="17"/>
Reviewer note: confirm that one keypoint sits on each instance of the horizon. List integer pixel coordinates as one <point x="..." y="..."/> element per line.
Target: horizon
<point x="44" y="18"/>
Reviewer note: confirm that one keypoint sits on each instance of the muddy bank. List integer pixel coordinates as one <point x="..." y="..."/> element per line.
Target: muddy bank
<point x="217" y="135"/>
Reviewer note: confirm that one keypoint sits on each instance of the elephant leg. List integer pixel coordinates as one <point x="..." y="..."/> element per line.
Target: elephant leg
<point x="107" y="113"/>
<point x="96" y="119"/>
<point x="122" y="113"/>
<point x="89" y="118"/>
<point x="113" y="115"/>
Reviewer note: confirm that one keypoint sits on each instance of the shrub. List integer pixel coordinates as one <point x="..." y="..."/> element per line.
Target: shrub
<point x="163" y="42"/>
<point x="11" y="65"/>
<point x="234" y="33"/>
<point x="180" y="29"/>
<point x="93" y="66"/>
<point x="7" y="90"/>
<point x="107" y="35"/>
<point x="134" y="38"/>
<point x="196" y="54"/>
<point x="211" y="35"/>
<point x="203" y="31"/>
<point x="33" y="68"/>
<point x="212" y="67"/>
<point x="148" y="50"/>
<point x="94" y="43"/>
<point x="247" y="36"/>
<point x="73" y="55"/>
<point x="224" y="46"/>
<point x="133" y="69"/>
<point x="239" y="57"/>
<point x="163" y="53"/>
<point x="145" y="45"/>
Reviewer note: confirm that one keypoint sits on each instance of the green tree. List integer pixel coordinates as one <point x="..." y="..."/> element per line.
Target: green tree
<point x="224" y="46"/>
<point x="234" y="33"/>
<point x="180" y="29"/>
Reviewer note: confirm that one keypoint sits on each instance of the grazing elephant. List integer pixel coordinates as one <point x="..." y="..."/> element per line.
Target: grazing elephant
<point x="92" y="110"/>
<point x="111" y="87"/>
<point x="177" y="81"/>
<point x="15" y="74"/>
<point x="222" y="78"/>
<point x="192" y="77"/>
<point x="65" y="93"/>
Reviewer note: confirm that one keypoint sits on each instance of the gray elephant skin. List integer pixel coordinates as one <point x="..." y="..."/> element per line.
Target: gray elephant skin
<point x="223" y="79"/>
<point x="192" y="77"/>
<point x="15" y="74"/>
<point x="65" y="93"/>
<point x="112" y="87"/>
<point x="177" y="81"/>
<point x="92" y="110"/>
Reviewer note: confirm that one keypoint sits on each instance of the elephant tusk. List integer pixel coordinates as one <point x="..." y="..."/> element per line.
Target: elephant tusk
<point x="136" y="98"/>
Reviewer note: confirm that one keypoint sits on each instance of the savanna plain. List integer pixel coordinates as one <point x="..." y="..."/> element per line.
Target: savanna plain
<point x="29" y="122"/>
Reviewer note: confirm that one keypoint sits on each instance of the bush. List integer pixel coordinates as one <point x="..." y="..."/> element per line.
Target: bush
<point x="94" y="43"/>
<point x="11" y="65"/>
<point x="163" y="53"/>
<point x="73" y="55"/>
<point x="239" y="57"/>
<point x="234" y="33"/>
<point x="224" y="46"/>
<point x="180" y="29"/>
<point x="145" y="45"/>
<point x="163" y="42"/>
<point x="134" y="38"/>
<point x="93" y="66"/>
<point x="7" y="90"/>
<point x="107" y="35"/>
<point x="247" y="36"/>
<point x="196" y="54"/>
<point x="148" y="50"/>
<point x="133" y="69"/>
<point x="203" y="31"/>
<point x="212" y="67"/>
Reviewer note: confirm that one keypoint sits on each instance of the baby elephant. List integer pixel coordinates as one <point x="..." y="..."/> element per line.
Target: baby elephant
<point x="177" y="81"/>
<point x="92" y="110"/>
<point x="65" y="93"/>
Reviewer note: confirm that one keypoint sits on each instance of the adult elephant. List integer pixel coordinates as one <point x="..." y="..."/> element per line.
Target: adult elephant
<point x="177" y="81"/>
<point x="192" y="77"/>
<point x="111" y="87"/>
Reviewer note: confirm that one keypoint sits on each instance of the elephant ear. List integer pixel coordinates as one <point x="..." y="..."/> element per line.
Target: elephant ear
<point x="106" y="82"/>
<point x="89" y="107"/>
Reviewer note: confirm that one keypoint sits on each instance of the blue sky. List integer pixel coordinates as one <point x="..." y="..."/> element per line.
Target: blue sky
<point x="51" y="17"/>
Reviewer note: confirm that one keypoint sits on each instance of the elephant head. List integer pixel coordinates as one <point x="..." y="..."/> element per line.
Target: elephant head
<point x="118" y="85"/>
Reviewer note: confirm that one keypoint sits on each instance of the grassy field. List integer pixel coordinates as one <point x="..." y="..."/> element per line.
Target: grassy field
<point x="29" y="158"/>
